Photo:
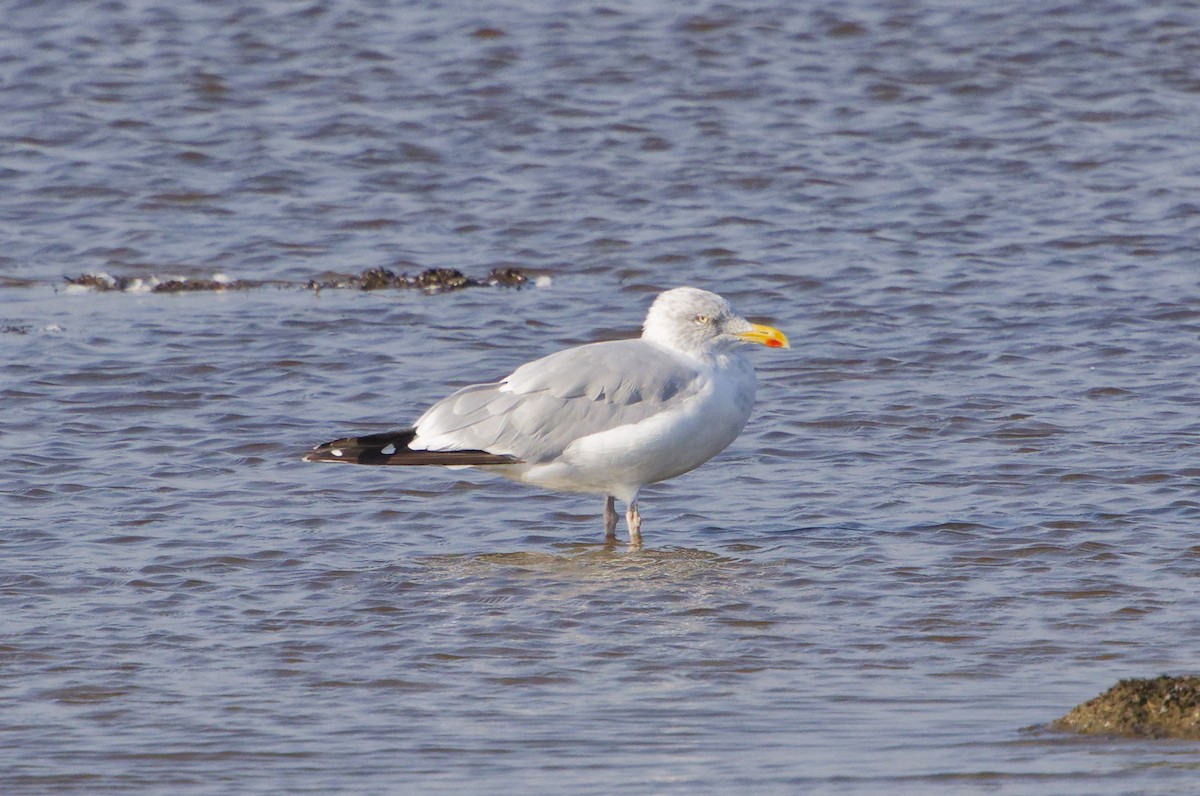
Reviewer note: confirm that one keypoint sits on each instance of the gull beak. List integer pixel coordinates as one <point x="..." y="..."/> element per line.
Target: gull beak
<point x="765" y="335"/>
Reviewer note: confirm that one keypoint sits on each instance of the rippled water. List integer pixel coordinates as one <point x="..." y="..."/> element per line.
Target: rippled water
<point x="968" y="499"/>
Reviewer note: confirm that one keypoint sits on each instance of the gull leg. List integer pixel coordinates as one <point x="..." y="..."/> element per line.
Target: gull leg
<point x="634" y="520"/>
<point x="610" y="519"/>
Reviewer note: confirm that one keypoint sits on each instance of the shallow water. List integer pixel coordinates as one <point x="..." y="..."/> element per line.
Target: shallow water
<point x="967" y="501"/>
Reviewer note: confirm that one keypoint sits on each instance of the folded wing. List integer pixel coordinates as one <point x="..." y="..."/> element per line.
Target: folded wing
<point x="545" y="405"/>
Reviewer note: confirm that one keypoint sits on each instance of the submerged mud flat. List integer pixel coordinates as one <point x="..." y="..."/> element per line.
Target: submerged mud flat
<point x="1160" y="707"/>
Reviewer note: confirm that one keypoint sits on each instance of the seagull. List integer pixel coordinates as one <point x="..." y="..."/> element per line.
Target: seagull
<point x="604" y="418"/>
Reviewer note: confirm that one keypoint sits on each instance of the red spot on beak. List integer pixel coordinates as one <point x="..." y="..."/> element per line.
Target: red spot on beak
<point x="773" y="343"/>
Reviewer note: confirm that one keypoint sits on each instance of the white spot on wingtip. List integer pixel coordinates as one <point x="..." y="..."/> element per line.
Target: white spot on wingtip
<point x="388" y="449"/>
<point x="542" y="281"/>
<point x="336" y="452"/>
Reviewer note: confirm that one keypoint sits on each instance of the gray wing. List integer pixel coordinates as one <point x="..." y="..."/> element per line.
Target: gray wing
<point x="547" y="404"/>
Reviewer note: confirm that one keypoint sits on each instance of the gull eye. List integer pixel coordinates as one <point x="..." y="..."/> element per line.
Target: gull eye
<point x="702" y="319"/>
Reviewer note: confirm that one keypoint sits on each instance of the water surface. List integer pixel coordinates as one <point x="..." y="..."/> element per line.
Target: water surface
<point x="966" y="502"/>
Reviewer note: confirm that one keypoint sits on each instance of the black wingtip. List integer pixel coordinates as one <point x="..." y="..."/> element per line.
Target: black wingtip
<point x="391" y="447"/>
<point x="367" y="449"/>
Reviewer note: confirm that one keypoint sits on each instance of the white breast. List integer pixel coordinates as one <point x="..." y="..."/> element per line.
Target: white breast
<point x="623" y="459"/>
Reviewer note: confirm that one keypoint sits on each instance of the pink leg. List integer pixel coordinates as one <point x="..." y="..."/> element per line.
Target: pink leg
<point x="634" y="520"/>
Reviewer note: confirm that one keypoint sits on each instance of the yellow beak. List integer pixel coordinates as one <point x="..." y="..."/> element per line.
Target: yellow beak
<point x="765" y="335"/>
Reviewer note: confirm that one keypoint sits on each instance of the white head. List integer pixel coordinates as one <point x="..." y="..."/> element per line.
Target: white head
<point x="698" y="322"/>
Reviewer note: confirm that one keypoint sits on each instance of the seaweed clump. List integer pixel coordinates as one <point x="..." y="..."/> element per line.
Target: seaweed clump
<point x="506" y="277"/>
<point x="1161" y="707"/>
<point x="99" y="282"/>
<point x="432" y="280"/>
<point x="193" y="285"/>
<point x="134" y="284"/>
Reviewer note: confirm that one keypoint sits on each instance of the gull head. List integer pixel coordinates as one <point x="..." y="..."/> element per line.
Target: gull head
<point x="695" y="321"/>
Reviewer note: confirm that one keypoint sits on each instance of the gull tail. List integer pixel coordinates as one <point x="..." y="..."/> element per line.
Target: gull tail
<point x="391" y="447"/>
